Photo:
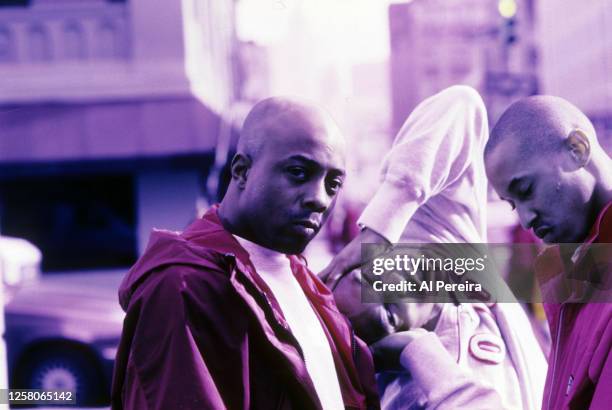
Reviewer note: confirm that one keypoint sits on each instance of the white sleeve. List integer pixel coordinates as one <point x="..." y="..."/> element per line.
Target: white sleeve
<point x="431" y="151"/>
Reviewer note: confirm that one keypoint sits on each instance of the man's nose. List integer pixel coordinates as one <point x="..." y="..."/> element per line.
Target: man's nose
<point x="527" y="216"/>
<point x="316" y="197"/>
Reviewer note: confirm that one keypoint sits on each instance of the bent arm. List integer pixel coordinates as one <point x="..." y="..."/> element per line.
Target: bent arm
<point x="434" y="147"/>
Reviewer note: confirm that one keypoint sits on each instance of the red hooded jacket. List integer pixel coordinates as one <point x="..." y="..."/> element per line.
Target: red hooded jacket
<point x="203" y="331"/>
<point x="580" y="362"/>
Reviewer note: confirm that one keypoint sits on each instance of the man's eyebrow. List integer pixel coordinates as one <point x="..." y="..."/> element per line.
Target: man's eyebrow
<point x="313" y="163"/>
<point x="303" y="158"/>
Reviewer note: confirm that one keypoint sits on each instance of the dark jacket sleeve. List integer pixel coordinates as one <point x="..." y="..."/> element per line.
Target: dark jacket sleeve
<point x="177" y="350"/>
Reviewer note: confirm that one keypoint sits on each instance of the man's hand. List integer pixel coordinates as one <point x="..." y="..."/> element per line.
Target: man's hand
<point x="387" y="351"/>
<point x="349" y="257"/>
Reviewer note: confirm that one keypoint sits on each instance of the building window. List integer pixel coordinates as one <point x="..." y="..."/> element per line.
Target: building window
<point x="40" y="44"/>
<point x="108" y="41"/>
<point x="7" y="49"/>
<point x="79" y="222"/>
<point x="14" y="3"/>
<point x="74" y="42"/>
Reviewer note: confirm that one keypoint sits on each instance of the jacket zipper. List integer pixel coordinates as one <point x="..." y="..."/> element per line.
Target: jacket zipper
<point x="354" y="346"/>
<point x="552" y="376"/>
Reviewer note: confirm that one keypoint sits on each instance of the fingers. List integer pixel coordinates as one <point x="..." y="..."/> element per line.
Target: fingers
<point x="329" y="271"/>
<point x="334" y="272"/>
<point x="333" y="278"/>
<point x="337" y="270"/>
<point x="344" y="268"/>
<point x="350" y="258"/>
<point x="329" y="276"/>
<point x="367" y="276"/>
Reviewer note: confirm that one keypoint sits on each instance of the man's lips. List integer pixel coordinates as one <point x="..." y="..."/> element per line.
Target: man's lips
<point x="542" y="230"/>
<point x="308" y="223"/>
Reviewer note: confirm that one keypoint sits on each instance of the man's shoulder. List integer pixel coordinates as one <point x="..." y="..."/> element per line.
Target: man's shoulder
<point x="603" y="225"/>
<point x="174" y="255"/>
<point x="174" y="269"/>
<point x="211" y="272"/>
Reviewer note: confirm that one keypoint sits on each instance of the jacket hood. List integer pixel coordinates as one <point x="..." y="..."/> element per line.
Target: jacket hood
<point x="200" y="244"/>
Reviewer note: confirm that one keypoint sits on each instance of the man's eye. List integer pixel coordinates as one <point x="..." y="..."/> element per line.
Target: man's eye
<point x="334" y="185"/>
<point x="297" y="173"/>
<point x="390" y="316"/>
<point x="525" y="192"/>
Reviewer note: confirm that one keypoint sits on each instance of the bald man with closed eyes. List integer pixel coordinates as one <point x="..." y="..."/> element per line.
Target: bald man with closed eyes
<point x="544" y="158"/>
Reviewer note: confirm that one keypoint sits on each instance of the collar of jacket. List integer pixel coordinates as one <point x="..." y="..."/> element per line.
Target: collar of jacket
<point x="589" y="264"/>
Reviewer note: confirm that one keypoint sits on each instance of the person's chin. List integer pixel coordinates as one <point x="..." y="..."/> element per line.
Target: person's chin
<point x="296" y="245"/>
<point x="300" y="236"/>
<point x="554" y="238"/>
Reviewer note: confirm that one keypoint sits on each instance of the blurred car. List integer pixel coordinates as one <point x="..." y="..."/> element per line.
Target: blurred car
<point x="62" y="332"/>
<point x="19" y="262"/>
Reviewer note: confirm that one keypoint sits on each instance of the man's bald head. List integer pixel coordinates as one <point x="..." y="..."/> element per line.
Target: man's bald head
<point x="274" y="119"/>
<point x="543" y="157"/>
<point x="538" y="125"/>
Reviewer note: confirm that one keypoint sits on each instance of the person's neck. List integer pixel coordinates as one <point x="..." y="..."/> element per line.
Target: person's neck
<point x="233" y="222"/>
<point x="259" y="250"/>
<point x="230" y="218"/>
<point x="600" y="168"/>
<point x="602" y="172"/>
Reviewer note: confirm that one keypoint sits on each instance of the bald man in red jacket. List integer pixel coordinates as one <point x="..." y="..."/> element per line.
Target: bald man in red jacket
<point x="227" y="314"/>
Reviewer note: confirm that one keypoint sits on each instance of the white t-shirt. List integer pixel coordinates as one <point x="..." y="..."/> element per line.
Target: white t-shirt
<point x="275" y="269"/>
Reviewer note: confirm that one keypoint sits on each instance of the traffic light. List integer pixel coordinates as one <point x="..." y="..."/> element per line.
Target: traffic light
<point x="507" y="10"/>
<point x="509" y="31"/>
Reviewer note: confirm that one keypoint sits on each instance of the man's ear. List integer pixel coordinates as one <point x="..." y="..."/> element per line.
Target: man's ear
<point x="241" y="164"/>
<point x="579" y="147"/>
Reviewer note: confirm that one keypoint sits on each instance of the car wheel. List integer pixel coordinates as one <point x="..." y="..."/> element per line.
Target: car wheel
<point x="65" y="370"/>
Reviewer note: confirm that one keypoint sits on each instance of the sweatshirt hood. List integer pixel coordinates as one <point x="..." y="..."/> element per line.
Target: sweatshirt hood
<point x="201" y="244"/>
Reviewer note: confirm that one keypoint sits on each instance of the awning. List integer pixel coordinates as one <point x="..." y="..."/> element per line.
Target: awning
<point x="106" y="130"/>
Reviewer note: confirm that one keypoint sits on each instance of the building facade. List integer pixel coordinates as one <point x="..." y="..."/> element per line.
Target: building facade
<point x="110" y="111"/>
<point x="437" y="43"/>
<point x="576" y="57"/>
